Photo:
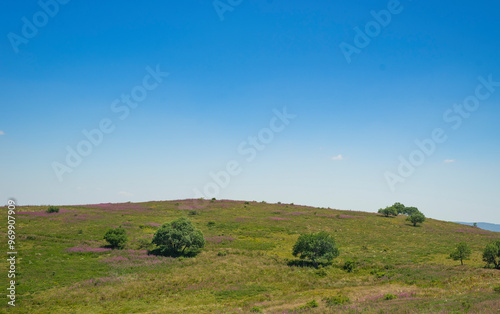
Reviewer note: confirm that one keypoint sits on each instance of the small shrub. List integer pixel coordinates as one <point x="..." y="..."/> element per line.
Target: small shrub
<point x="193" y="213"/>
<point x="116" y="237"/>
<point x="80" y="231"/>
<point x="497" y="288"/>
<point x="52" y="209"/>
<point x="308" y="305"/>
<point x="279" y="203"/>
<point x="144" y="244"/>
<point x="256" y="309"/>
<point x="222" y="253"/>
<point x="349" y="266"/>
<point x="389" y="296"/>
<point x="211" y="223"/>
<point x="247" y="203"/>
<point x="466" y="305"/>
<point x="336" y="300"/>
<point x="213" y="198"/>
<point x="321" y="273"/>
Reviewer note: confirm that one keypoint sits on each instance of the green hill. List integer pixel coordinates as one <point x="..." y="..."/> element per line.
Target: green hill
<point x="246" y="265"/>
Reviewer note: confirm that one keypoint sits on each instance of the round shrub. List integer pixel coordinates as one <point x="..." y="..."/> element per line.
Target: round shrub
<point x="116" y="237"/>
<point x="179" y="237"/>
<point x="317" y="247"/>
<point x="52" y="209"/>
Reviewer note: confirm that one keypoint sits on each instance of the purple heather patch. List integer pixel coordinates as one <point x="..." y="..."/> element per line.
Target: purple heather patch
<point x="243" y="218"/>
<point x="473" y="230"/>
<point x="133" y="260"/>
<point x="152" y="224"/>
<point x="347" y="216"/>
<point x="111" y="206"/>
<point x="279" y="218"/>
<point x="191" y="207"/>
<point x="36" y="214"/>
<point x="339" y="216"/>
<point x="406" y="295"/>
<point x="87" y="249"/>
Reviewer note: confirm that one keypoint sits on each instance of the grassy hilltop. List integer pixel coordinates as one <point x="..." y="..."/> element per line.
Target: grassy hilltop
<point x="246" y="264"/>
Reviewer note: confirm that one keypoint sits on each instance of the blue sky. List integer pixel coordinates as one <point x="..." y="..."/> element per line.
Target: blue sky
<point x="229" y="72"/>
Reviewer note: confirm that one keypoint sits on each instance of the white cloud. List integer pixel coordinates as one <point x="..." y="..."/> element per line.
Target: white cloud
<point x="338" y="157"/>
<point x="449" y="161"/>
<point x="2" y="132"/>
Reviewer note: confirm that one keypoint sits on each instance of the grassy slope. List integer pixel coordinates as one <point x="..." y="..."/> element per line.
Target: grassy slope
<point x="392" y="256"/>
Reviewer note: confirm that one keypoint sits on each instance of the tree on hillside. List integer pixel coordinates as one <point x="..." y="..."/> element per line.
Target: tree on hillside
<point x="317" y="247"/>
<point x="178" y="237"/>
<point x="491" y="254"/>
<point x="416" y="218"/>
<point x="461" y="253"/>
<point x="388" y="211"/>
<point x="410" y="211"/>
<point x="399" y="208"/>
<point x="116" y="237"/>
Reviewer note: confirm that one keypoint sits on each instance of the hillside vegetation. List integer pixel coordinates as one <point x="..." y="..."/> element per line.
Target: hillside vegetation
<point x="385" y="264"/>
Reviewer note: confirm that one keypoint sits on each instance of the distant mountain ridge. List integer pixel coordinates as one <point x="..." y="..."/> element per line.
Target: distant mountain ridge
<point x="482" y="225"/>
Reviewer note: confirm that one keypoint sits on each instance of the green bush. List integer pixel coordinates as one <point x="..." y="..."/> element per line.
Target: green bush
<point x="178" y="238"/>
<point x="116" y="237"/>
<point x="256" y="309"/>
<point x="389" y="296"/>
<point x="410" y="211"/>
<point x="222" y="253"/>
<point x="336" y="300"/>
<point x="416" y="218"/>
<point x="388" y="211"/>
<point x="317" y="247"/>
<point x="349" y="266"/>
<point x="211" y="223"/>
<point x="308" y="305"/>
<point x="321" y="273"/>
<point x="144" y="244"/>
<point x="52" y="209"/>
<point x="497" y="288"/>
<point x="461" y="253"/>
<point x="193" y="213"/>
<point x="491" y="254"/>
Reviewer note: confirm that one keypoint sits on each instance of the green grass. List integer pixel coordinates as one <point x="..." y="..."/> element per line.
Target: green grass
<point x="245" y="265"/>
